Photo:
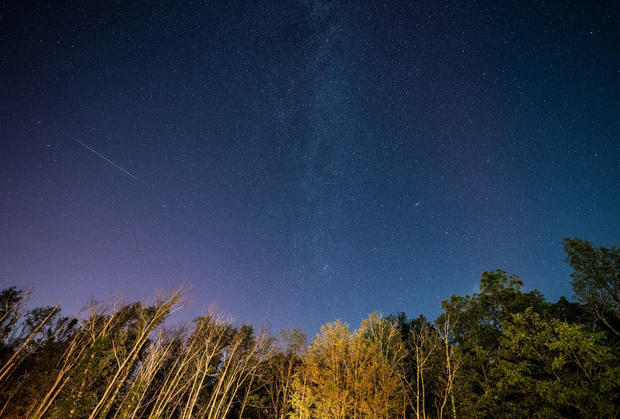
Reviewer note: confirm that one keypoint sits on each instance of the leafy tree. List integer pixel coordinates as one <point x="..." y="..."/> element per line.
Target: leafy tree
<point x="596" y="280"/>
<point x="500" y="352"/>
<point x="477" y="323"/>
<point x="421" y="365"/>
<point x="272" y="396"/>
<point x="551" y="368"/>
<point x="350" y="374"/>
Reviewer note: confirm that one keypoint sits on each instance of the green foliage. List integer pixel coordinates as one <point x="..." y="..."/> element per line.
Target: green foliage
<point x="596" y="280"/>
<point x="478" y="324"/>
<point x="500" y="352"/>
<point x="561" y="367"/>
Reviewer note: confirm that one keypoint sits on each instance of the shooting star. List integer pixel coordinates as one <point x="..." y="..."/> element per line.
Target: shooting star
<point x="107" y="159"/>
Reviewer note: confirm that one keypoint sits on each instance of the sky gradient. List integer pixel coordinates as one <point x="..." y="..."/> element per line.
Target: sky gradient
<point x="297" y="162"/>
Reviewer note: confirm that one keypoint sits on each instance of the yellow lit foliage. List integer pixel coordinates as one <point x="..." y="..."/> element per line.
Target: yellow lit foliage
<point x="348" y="374"/>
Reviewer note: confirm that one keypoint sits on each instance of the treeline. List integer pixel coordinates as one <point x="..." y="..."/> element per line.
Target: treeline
<point x="500" y="352"/>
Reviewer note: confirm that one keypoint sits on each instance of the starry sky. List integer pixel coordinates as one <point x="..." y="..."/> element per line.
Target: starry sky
<point x="296" y="162"/>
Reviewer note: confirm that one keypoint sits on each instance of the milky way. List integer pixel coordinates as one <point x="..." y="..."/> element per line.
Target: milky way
<point x="304" y="161"/>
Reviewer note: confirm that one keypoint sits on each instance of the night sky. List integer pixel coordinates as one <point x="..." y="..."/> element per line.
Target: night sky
<point x="296" y="162"/>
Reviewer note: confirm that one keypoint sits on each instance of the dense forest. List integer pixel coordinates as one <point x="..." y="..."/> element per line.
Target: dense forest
<point x="500" y="352"/>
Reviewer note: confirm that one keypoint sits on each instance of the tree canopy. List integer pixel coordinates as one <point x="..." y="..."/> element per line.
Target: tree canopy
<point x="499" y="352"/>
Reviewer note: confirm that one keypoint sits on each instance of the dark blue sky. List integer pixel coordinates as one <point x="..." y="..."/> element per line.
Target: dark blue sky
<point x="298" y="161"/>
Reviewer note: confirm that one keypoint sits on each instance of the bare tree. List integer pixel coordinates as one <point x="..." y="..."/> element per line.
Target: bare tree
<point x="452" y="362"/>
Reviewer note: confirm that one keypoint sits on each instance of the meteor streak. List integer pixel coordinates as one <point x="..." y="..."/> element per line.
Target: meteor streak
<point x="106" y="159"/>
